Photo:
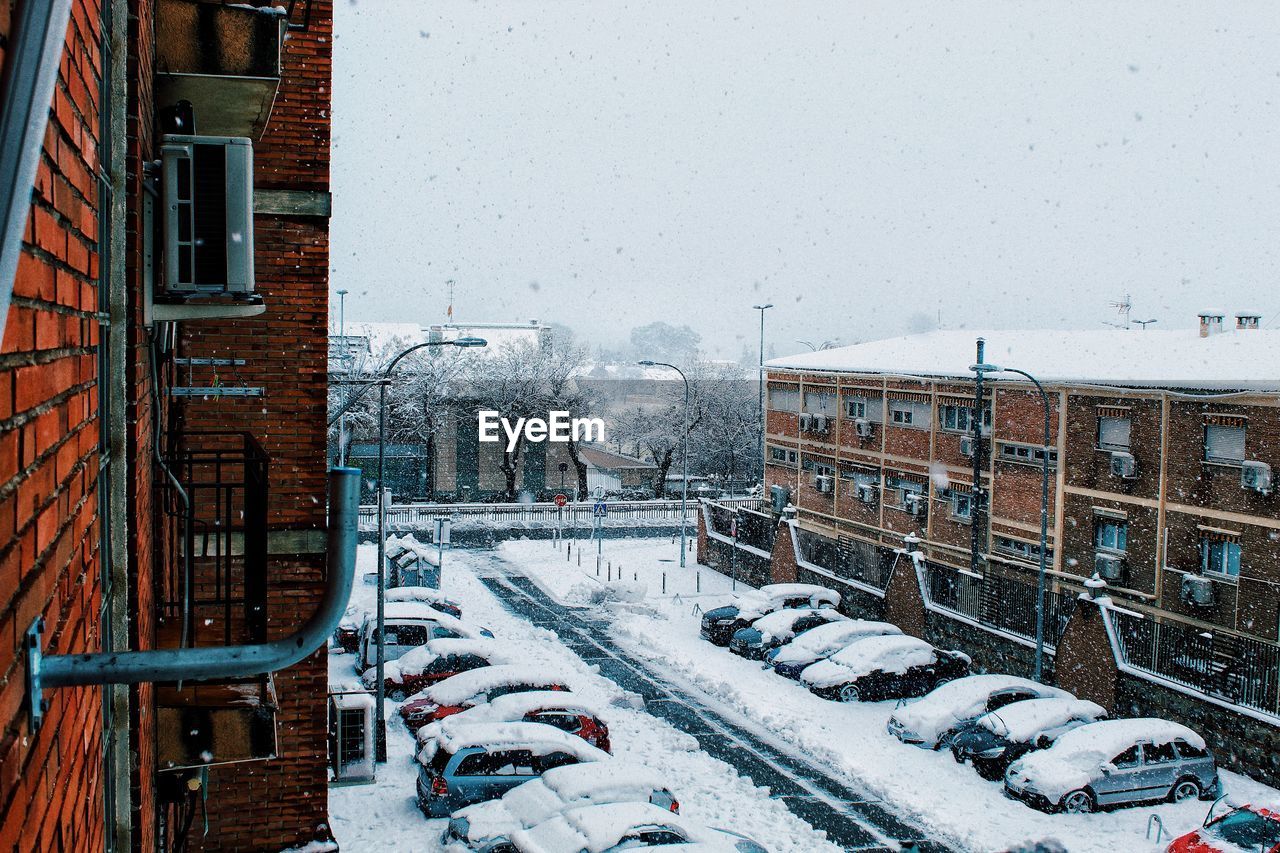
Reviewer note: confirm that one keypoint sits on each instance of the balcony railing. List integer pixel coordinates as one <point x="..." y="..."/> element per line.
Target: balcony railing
<point x="999" y="602"/>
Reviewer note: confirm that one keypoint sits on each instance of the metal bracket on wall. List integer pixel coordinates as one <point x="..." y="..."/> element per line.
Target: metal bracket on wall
<point x="38" y="704"/>
<point x="215" y="391"/>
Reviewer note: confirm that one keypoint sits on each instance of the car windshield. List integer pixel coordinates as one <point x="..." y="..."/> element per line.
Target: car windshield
<point x="1247" y="829"/>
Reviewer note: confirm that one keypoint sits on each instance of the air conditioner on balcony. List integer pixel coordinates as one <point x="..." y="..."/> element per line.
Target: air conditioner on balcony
<point x="863" y="427"/>
<point x="966" y="445"/>
<point x="1109" y="567"/>
<point x="1123" y="465"/>
<point x="824" y="484"/>
<point x="806" y="422"/>
<point x="820" y="423"/>
<point x="867" y="493"/>
<point x="1256" y="476"/>
<point x="1198" y="591"/>
<point x="351" y="741"/>
<point x="208" y="215"/>
<point x="916" y="503"/>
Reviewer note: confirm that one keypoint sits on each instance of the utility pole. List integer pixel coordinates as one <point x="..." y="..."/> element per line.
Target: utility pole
<point x="345" y="362"/>
<point x="760" y="380"/>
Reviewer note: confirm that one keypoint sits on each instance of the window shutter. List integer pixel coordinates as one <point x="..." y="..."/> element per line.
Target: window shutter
<point x="1223" y="443"/>
<point x="1113" y="433"/>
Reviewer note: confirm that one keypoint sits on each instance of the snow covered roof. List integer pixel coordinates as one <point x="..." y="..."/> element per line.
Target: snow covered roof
<point x="606" y="459"/>
<point x="1111" y="737"/>
<point x="891" y="653"/>
<point x="1246" y="359"/>
<point x="461" y="687"/>
<point x="1021" y="721"/>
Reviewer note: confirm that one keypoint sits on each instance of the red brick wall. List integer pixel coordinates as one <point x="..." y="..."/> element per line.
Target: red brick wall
<point x="50" y="794"/>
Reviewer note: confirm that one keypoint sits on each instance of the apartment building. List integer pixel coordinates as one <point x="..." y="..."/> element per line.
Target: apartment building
<point x="162" y="398"/>
<point x="1161" y="452"/>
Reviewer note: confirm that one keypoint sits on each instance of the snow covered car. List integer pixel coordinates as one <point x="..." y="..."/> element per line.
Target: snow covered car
<point x="467" y="689"/>
<point x="624" y="826"/>
<point x="821" y="642"/>
<point x="407" y="625"/>
<point x="347" y="637"/>
<point x="930" y="722"/>
<point x="887" y="667"/>
<point x="435" y="661"/>
<point x="1115" y="762"/>
<point x="770" y="631"/>
<point x="1252" y="828"/>
<point x="568" y="712"/>
<point x="486" y="826"/>
<point x="472" y="763"/>
<point x="998" y="738"/>
<point x="719" y="623"/>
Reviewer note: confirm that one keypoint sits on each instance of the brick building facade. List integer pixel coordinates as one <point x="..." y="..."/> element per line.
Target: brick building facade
<point x="106" y="457"/>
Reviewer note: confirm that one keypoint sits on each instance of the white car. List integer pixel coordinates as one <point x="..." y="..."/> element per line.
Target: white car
<point x="884" y="667"/>
<point x="719" y="623"/>
<point x="407" y="625"/>
<point x="931" y="721"/>
<point x="485" y="826"/>
<point x="781" y="626"/>
<point x="820" y="643"/>
<point x="998" y="738"/>
<point x="624" y="826"/>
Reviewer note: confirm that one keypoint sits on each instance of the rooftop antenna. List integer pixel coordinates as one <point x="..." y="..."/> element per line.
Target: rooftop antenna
<point x="1145" y="323"/>
<point x="449" y="284"/>
<point x="1123" y="308"/>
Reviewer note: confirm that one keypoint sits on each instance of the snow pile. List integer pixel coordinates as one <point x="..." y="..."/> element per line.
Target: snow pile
<point x="1022" y="722"/>
<point x="824" y="640"/>
<point x="891" y="653"/>
<point x="595" y="593"/>
<point x="961" y="700"/>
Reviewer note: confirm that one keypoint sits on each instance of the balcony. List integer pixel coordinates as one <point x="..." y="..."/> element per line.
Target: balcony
<point x="224" y="59"/>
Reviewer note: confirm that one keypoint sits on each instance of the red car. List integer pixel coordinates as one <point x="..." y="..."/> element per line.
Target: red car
<point x="434" y="661"/>
<point x="564" y="710"/>
<point x="1251" y="828"/>
<point x="449" y="697"/>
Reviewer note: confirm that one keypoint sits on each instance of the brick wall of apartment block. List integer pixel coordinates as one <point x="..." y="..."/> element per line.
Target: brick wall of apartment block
<point x="50" y="794"/>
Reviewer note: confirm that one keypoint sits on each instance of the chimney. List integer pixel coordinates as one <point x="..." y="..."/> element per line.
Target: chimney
<point x="1210" y="323"/>
<point x="1248" y="320"/>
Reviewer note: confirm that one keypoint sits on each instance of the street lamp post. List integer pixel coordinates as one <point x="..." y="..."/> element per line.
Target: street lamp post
<point x="980" y="368"/>
<point x="684" y="464"/>
<point x="760" y="381"/>
<point x="382" y="525"/>
<point x="342" y="342"/>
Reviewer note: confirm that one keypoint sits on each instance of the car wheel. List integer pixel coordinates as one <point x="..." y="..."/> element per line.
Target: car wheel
<point x="945" y="739"/>
<point x="941" y="681"/>
<point x="850" y="693"/>
<point x="1078" y="802"/>
<point x="396" y="694"/>
<point x="1185" y="789"/>
<point x="955" y="753"/>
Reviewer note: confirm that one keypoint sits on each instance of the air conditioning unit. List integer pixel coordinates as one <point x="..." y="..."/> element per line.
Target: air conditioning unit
<point x="1256" y="476"/>
<point x="867" y="493"/>
<point x="207" y="185"/>
<point x="1123" y="465"/>
<point x="916" y="503"/>
<point x="1109" y="567"/>
<point x="966" y="445"/>
<point x="824" y="484"/>
<point x="779" y="497"/>
<point x="820" y="423"/>
<point x="351" y="741"/>
<point x="1198" y="591"/>
<point x="806" y="422"/>
<point x="863" y="427"/>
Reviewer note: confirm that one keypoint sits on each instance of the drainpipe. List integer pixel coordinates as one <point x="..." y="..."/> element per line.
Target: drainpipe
<point x="213" y="662"/>
<point x="26" y="91"/>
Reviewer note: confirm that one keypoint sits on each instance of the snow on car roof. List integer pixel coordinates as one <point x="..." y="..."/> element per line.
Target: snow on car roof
<point x="842" y="632"/>
<point x="414" y="593"/>
<point x="539" y="738"/>
<point x="781" y="621"/>
<point x="1111" y="737"/>
<point x="1021" y="721"/>
<point x="795" y="590"/>
<point x="412" y="610"/>
<point x="414" y="661"/>
<point x="891" y="653"/>
<point x="600" y="827"/>
<point x="1248" y="359"/>
<point x="515" y="705"/>
<point x="963" y="699"/>
<point x="461" y="687"/>
<point x="602" y="779"/>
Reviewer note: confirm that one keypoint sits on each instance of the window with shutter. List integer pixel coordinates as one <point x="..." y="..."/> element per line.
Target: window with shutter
<point x="1113" y="433"/>
<point x="1224" y="444"/>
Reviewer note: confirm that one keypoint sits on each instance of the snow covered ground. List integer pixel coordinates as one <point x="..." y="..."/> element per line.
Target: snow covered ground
<point x="383" y="816"/>
<point x="929" y="787"/>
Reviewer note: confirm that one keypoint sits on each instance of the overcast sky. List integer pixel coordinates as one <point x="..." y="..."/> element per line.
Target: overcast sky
<point x="868" y="167"/>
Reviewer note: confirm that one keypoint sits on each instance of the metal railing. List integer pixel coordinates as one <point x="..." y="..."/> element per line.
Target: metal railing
<point x="1240" y="670"/>
<point x="998" y="602"/>
<point x="756" y="529"/>
<point x="423" y="515"/>
<point x="845" y="557"/>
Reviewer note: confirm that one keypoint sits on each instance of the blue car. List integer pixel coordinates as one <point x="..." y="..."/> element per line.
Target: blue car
<point x="474" y="762"/>
<point x="769" y="632"/>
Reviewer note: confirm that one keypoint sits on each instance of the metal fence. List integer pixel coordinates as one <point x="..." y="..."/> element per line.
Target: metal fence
<point x="999" y="602"/>
<point x="844" y="557"/>
<point x="423" y="515"/>
<point x="1241" y="670"/>
<point x="755" y="528"/>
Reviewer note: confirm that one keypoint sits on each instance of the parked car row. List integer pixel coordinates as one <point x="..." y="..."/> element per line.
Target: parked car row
<point x="1051" y="750"/>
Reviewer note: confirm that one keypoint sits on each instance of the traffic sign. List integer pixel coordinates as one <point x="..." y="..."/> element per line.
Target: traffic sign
<point x="561" y="500"/>
<point x="600" y="510"/>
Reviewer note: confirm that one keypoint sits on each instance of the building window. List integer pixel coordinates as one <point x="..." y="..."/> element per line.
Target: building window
<point x="1026" y="454"/>
<point x="855" y="407"/>
<point x="906" y="414"/>
<point x="1224" y="444"/>
<point x="860" y="477"/>
<point x="960" y="418"/>
<point x="820" y="403"/>
<point x="1110" y="535"/>
<point x="784" y="399"/>
<point x="782" y="456"/>
<point x="897" y="490"/>
<point x="1220" y="557"/>
<point x="821" y="469"/>
<point x="1018" y="548"/>
<point x="1113" y="433"/>
<point x="962" y="505"/>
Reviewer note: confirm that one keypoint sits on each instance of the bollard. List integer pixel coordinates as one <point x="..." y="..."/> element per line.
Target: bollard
<point x="579" y="559"/>
<point x="697" y="582"/>
<point x="635" y="576"/>
<point x="664" y="583"/>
